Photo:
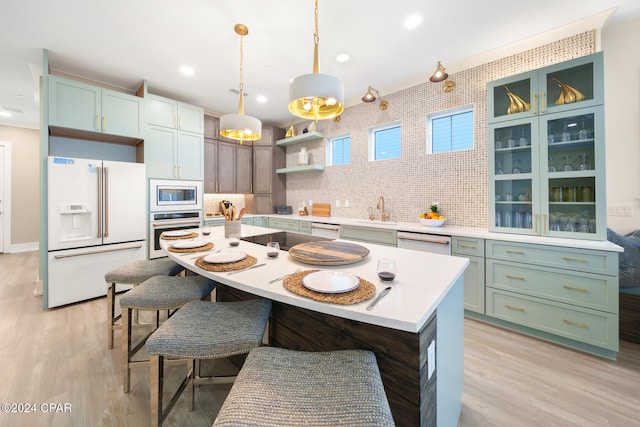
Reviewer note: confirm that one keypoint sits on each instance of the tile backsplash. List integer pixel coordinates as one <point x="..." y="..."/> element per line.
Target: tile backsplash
<point x="409" y="184"/>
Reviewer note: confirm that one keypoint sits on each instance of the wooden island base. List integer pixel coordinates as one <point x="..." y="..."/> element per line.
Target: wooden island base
<point x="401" y="356"/>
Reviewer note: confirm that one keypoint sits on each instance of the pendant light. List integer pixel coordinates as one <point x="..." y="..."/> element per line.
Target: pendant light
<point x="316" y="96"/>
<point x="238" y="126"/>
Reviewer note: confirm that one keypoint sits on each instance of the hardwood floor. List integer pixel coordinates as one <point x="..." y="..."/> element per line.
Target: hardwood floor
<point x="60" y="357"/>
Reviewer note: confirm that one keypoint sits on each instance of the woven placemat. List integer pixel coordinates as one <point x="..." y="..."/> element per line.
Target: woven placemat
<point x="188" y="236"/>
<point x="365" y="291"/>
<point x="187" y="250"/>
<point x="228" y="266"/>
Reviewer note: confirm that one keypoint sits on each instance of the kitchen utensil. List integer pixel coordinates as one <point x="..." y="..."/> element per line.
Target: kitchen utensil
<point x="245" y="269"/>
<point x="224" y="209"/>
<point x="321" y="209"/>
<point x="242" y="212"/>
<point x="381" y="295"/>
<point x="284" y="276"/>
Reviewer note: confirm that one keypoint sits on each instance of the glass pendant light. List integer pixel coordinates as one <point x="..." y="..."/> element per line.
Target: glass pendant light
<point x="316" y="96"/>
<point x="238" y="126"/>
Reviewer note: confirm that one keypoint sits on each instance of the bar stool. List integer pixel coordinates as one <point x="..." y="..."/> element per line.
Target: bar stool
<point x="133" y="273"/>
<point x="156" y="294"/>
<point x="280" y="387"/>
<point x="202" y="330"/>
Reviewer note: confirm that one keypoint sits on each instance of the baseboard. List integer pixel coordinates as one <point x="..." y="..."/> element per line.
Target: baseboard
<point x="23" y="247"/>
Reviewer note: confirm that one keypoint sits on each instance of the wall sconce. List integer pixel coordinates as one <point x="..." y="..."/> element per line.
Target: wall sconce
<point x="369" y="97"/>
<point x="439" y="74"/>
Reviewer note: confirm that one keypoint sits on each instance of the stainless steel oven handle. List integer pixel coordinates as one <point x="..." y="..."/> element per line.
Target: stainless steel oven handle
<point x="171" y="224"/>
<point x="439" y="242"/>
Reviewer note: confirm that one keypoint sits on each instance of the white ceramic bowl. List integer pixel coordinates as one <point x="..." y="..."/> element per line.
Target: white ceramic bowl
<point x="432" y="222"/>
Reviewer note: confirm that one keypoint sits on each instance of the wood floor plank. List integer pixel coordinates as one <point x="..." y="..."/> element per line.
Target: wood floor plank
<point x="59" y="356"/>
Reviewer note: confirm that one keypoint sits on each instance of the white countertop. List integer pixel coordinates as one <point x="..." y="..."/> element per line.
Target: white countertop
<point x="422" y="280"/>
<point x="448" y="230"/>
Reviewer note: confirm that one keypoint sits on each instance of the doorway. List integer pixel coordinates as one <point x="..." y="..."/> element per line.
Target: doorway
<point x="5" y="196"/>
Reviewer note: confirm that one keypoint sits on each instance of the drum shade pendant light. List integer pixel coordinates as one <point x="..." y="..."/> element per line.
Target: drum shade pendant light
<point x="370" y="97"/>
<point x="316" y="96"/>
<point x="238" y="126"/>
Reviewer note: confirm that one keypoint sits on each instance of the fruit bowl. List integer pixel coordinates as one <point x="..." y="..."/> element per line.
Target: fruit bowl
<point x="432" y="222"/>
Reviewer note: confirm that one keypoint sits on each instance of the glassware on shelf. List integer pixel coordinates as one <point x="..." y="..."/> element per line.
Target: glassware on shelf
<point x="551" y="167"/>
<point x="551" y="138"/>
<point x="584" y="166"/>
<point x="566" y="135"/>
<point x="511" y="143"/>
<point x="523" y="141"/>
<point x="583" y="133"/>
<point x="567" y="166"/>
<point x="516" y="166"/>
<point x="499" y="170"/>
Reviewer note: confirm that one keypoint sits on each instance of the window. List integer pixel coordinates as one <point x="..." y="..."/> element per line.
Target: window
<point x="451" y="130"/>
<point x="339" y="150"/>
<point x="384" y="142"/>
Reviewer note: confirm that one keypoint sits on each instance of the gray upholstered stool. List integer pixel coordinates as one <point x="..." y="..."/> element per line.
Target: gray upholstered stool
<point x="203" y="330"/>
<point x="279" y="387"/>
<point x="133" y="273"/>
<point x="157" y="294"/>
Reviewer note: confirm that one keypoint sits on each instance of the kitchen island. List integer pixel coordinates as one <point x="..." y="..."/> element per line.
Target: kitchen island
<point x="416" y="331"/>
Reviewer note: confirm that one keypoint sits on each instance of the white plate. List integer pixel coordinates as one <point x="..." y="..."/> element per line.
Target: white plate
<point x="177" y="233"/>
<point x="330" y="282"/>
<point x="224" y="257"/>
<point x="190" y="244"/>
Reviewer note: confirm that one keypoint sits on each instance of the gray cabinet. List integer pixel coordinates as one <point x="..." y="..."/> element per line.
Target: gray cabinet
<point x="227" y="167"/>
<point x="268" y="187"/>
<point x="84" y="107"/>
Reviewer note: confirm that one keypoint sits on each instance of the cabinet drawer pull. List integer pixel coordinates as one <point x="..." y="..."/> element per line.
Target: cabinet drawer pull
<point x="462" y="245"/>
<point x="535" y="224"/>
<point x="578" y="324"/>
<point x="535" y="102"/>
<point x="544" y="224"/>
<point x="567" y="258"/>
<point x="104" y="123"/>
<point x="510" y="307"/>
<point x="510" y="251"/>
<point x="509" y="276"/>
<point x="97" y="122"/>
<point x="573" y="288"/>
<point x="542" y="102"/>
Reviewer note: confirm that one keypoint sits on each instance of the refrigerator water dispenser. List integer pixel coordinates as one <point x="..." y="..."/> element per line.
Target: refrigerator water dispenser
<point x="75" y="221"/>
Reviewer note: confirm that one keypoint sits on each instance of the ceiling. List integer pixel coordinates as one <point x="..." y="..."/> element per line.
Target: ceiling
<point x="123" y="42"/>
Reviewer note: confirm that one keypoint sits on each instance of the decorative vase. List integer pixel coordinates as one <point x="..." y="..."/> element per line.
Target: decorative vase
<point x="232" y="228"/>
<point x="291" y="132"/>
<point x="303" y="157"/>
<point x="311" y="127"/>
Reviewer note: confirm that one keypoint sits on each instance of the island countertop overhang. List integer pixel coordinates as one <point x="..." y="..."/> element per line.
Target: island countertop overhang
<point x="423" y="280"/>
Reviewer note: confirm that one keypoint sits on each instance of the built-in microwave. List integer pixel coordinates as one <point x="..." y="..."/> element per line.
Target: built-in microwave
<point x="173" y="195"/>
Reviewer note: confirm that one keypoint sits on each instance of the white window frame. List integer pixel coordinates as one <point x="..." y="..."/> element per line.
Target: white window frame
<point x="329" y="149"/>
<point x="372" y="143"/>
<point x="448" y="113"/>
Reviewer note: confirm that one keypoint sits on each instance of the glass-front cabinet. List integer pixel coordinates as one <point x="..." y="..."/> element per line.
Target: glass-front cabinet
<point x="561" y="87"/>
<point x="547" y="175"/>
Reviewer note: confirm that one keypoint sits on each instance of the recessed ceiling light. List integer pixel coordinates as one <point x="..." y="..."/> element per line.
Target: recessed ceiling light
<point x="5" y="114"/>
<point x="261" y="99"/>
<point x="186" y="70"/>
<point x="412" y="22"/>
<point x="343" y="57"/>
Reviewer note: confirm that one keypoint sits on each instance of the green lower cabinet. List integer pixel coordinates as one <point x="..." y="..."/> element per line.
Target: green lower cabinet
<point x="260" y="221"/>
<point x="284" y="224"/>
<point x="305" y="227"/>
<point x="214" y="222"/>
<point x="474" y="284"/>
<point x="248" y="221"/>
<point x="592" y="327"/>
<point x="381" y="236"/>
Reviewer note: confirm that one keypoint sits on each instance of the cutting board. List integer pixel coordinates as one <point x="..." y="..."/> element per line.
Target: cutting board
<point x="328" y="253"/>
<point x="321" y="209"/>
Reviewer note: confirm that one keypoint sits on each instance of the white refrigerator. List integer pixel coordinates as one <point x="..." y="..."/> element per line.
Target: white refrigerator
<point x="96" y="222"/>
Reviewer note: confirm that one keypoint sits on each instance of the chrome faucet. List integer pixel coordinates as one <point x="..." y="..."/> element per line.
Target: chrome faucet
<point x="380" y="206"/>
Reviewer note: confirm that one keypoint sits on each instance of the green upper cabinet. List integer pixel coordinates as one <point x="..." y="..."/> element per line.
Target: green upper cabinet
<point x="561" y="87"/>
<point x="84" y="107"/>
<point x="547" y="170"/>
<point x="174" y="143"/>
<point x="173" y="114"/>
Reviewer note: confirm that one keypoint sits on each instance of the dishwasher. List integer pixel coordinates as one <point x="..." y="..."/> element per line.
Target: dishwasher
<point x="331" y="231"/>
<point x="424" y="242"/>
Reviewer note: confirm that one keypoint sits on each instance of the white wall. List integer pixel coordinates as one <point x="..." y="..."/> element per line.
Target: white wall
<point x="622" y="121"/>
